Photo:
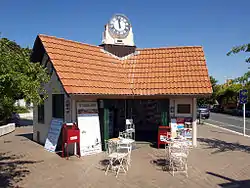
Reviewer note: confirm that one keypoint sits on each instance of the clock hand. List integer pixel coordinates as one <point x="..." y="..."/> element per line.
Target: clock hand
<point x="119" y="22"/>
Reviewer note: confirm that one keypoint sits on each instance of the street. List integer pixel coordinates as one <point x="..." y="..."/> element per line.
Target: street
<point x="233" y="123"/>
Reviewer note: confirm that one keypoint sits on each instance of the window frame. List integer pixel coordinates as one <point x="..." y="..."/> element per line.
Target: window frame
<point x="41" y="112"/>
<point x="55" y="113"/>
<point x="183" y="111"/>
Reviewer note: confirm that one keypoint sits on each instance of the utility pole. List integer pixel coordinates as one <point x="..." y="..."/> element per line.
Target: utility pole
<point x="243" y="95"/>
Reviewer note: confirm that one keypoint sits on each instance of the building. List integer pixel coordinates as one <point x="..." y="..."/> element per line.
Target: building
<point x="150" y="85"/>
<point x="23" y="103"/>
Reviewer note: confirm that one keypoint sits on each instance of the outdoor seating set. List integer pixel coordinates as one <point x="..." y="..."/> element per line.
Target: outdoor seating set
<point x="176" y="153"/>
<point x="119" y="149"/>
<point x="119" y="154"/>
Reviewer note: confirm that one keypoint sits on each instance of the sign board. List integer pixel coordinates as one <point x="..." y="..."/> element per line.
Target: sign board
<point x="243" y="95"/>
<point x="88" y="123"/>
<point x="53" y="134"/>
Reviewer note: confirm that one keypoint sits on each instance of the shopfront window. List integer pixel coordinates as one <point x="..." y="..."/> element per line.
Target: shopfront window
<point x="183" y="108"/>
<point x="58" y="105"/>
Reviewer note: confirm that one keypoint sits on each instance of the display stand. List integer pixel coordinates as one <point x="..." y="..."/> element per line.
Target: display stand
<point x="181" y="127"/>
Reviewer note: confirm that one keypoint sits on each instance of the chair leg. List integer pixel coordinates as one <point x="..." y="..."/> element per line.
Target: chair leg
<point x="117" y="172"/>
<point x="173" y="171"/>
<point x="120" y="166"/>
<point x="186" y="169"/>
<point x="171" y="165"/>
<point x="129" y="159"/>
<point x="109" y="165"/>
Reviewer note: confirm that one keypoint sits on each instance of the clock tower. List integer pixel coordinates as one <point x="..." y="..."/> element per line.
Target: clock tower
<point x="118" y="37"/>
<point x="118" y="31"/>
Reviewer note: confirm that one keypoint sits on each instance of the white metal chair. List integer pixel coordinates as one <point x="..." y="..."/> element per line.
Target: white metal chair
<point x="122" y="134"/>
<point x="119" y="156"/>
<point x="130" y="129"/>
<point x="178" y="157"/>
<point x="110" y="147"/>
<point x="116" y="162"/>
<point x="125" y="148"/>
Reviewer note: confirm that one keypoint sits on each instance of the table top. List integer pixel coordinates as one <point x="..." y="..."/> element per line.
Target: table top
<point x="114" y="139"/>
<point x="126" y="141"/>
<point x="122" y="140"/>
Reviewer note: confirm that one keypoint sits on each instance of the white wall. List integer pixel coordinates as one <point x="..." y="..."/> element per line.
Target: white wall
<point x="23" y="103"/>
<point x="53" y="87"/>
<point x="174" y="101"/>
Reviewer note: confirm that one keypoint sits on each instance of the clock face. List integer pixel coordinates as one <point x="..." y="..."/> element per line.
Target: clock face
<point x="119" y="26"/>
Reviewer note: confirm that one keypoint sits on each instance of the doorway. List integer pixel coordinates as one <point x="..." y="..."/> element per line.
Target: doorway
<point x="147" y="115"/>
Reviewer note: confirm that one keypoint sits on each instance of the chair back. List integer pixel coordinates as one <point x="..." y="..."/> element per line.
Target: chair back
<point x="124" y="148"/>
<point x="178" y="147"/>
<point x="123" y="134"/>
<point x="110" y="147"/>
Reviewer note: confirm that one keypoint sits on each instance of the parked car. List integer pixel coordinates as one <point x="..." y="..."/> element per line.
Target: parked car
<point x="203" y="112"/>
<point x="239" y="112"/>
<point x="217" y="109"/>
<point x="15" y="118"/>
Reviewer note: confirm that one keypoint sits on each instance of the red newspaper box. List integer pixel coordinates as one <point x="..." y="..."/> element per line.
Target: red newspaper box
<point x="70" y="135"/>
<point x="163" y="131"/>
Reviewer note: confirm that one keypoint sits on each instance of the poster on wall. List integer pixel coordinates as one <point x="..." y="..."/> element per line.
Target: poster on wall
<point x="88" y="123"/>
<point x="67" y="110"/>
<point x="53" y="134"/>
<point x="180" y="123"/>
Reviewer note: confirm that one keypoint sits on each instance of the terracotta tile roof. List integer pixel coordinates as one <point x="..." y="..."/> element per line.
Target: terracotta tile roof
<point x="87" y="69"/>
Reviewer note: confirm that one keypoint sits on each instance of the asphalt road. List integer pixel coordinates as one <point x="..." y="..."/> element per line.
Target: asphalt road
<point x="233" y="123"/>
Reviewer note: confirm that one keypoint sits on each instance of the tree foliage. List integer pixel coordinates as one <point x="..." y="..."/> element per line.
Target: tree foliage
<point x="226" y="93"/>
<point x="211" y="99"/>
<point x="241" y="48"/>
<point x="19" y="78"/>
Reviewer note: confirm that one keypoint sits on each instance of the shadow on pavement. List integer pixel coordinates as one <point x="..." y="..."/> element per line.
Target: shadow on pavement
<point x="223" y="146"/>
<point x="232" y="183"/>
<point x="161" y="164"/>
<point x="27" y="136"/>
<point x="13" y="169"/>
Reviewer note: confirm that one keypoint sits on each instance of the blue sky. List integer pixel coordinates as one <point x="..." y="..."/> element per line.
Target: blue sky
<point x="215" y="25"/>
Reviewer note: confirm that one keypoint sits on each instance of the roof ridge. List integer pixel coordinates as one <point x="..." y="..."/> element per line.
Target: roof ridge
<point x="170" y="47"/>
<point x="68" y="40"/>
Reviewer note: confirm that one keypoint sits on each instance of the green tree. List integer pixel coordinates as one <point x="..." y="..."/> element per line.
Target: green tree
<point x="228" y="93"/>
<point x="212" y="98"/>
<point x="19" y="78"/>
<point x="241" y="48"/>
<point x="242" y="79"/>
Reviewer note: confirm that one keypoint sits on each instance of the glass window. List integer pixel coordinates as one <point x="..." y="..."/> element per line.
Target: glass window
<point x="183" y="108"/>
<point x="40" y="109"/>
<point x="58" y="105"/>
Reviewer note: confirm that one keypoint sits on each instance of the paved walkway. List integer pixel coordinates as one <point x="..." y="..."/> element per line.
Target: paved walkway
<point x="221" y="157"/>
